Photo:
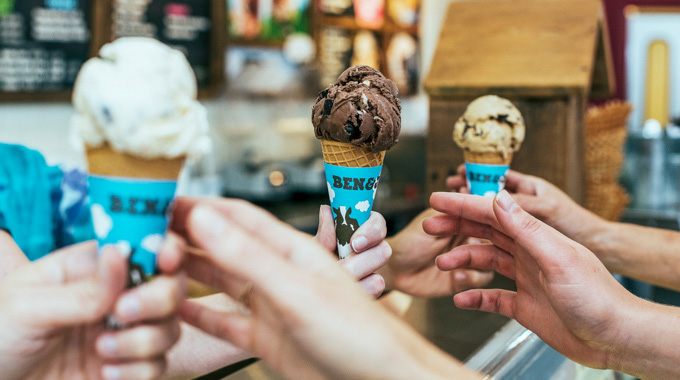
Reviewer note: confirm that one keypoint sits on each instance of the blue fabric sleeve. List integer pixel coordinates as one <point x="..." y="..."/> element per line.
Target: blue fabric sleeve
<point x="26" y="199"/>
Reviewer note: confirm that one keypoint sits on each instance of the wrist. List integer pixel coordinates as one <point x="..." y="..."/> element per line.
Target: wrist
<point x="433" y="366"/>
<point x="647" y="347"/>
<point x="602" y="241"/>
<point x="595" y="232"/>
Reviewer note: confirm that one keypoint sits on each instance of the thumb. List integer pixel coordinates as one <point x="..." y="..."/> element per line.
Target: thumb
<point x="80" y="302"/>
<point x="325" y="235"/>
<point x="532" y="205"/>
<point x="536" y="238"/>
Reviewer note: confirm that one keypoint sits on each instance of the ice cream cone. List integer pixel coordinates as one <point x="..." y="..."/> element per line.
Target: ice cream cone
<point x="350" y="156"/>
<point x="105" y="161"/>
<point x="130" y="200"/>
<point x="487" y="158"/>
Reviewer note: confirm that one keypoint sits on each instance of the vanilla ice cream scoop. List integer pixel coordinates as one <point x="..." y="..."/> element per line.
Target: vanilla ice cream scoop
<point x="490" y="124"/>
<point x="139" y="97"/>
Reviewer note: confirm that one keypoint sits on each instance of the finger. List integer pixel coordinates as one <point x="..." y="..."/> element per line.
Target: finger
<point x="455" y="183"/>
<point x="370" y="234"/>
<point x="360" y="266"/>
<point x="459" y="182"/>
<point x="464" y="279"/>
<point x="475" y="208"/>
<point x="255" y="255"/>
<point x="206" y="272"/>
<point x="461" y="170"/>
<point x="540" y="208"/>
<point x="538" y="240"/>
<point x="325" y="234"/>
<point x="373" y="285"/>
<point x="257" y="222"/>
<point x="83" y="301"/>
<point x="12" y="256"/>
<point x="480" y="257"/>
<point x="472" y="240"/>
<point x="232" y="326"/>
<point x="445" y="225"/>
<point x="499" y="301"/>
<point x="62" y="266"/>
<point x="144" y="370"/>
<point x="138" y="343"/>
<point x="180" y="214"/>
<point x="517" y="182"/>
<point x="156" y="299"/>
<point x="172" y="253"/>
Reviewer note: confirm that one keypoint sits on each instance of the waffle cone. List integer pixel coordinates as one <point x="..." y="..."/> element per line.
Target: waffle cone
<point x="350" y="156"/>
<point x="487" y="158"/>
<point x="105" y="161"/>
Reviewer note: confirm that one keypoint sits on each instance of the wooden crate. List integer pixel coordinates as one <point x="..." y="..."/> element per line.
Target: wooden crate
<point x="545" y="56"/>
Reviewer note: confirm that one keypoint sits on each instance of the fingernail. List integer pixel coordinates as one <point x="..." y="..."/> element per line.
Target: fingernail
<point x="359" y="243"/>
<point x="111" y="373"/>
<point x="460" y="276"/>
<point x="107" y="345"/>
<point x="209" y="221"/>
<point x="129" y="307"/>
<point x="505" y="201"/>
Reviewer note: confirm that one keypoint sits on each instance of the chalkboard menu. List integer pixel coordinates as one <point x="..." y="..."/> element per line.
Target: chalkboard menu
<point x="195" y="27"/>
<point x="43" y="44"/>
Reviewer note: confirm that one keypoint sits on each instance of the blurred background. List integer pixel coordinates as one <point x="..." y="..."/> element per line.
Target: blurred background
<point x="609" y="134"/>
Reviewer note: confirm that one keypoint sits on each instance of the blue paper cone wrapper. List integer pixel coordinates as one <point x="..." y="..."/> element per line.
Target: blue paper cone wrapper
<point x="351" y="192"/>
<point x="132" y="214"/>
<point x="486" y="180"/>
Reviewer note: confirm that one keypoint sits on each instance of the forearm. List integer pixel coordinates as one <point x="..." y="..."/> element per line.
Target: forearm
<point x="436" y="364"/>
<point x="648" y="254"/>
<point x="651" y="342"/>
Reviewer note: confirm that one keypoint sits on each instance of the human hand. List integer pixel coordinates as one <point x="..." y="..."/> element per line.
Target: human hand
<point x="52" y="324"/>
<point x="412" y="268"/>
<point x="564" y="293"/>
<point x="198" y="353"/>
<point x="546" y="202"/>
<point x="307" y="316"/>
<point x="12" y="257"/>
<point x="371" y="250"/>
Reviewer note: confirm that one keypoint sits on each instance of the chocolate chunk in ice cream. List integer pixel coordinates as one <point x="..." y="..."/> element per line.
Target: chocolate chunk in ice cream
<point x="361" y="108"/>
<point x="490" y="124"/>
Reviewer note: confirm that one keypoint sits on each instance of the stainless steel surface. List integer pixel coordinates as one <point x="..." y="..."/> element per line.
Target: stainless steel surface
<point x="516" y="353"/>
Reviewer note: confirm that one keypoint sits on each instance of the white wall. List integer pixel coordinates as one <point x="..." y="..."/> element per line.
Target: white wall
<point x="43" y="127"/>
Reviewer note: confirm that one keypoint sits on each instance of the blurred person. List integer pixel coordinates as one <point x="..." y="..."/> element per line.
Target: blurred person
<point x="300" y="312"/>
<point x="647" y="254"/>
<point x="52" y="323"/>
<point x="564" y="293"/>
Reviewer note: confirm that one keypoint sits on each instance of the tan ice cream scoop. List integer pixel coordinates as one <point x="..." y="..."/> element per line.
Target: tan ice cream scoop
<point x="491" y="125"/>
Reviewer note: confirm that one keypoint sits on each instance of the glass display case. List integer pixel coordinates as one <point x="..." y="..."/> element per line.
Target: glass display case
<point x="516" y="353"/>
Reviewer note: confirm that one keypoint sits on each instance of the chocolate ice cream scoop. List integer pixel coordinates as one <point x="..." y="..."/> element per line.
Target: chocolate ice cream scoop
<point x="362" y="109"/>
